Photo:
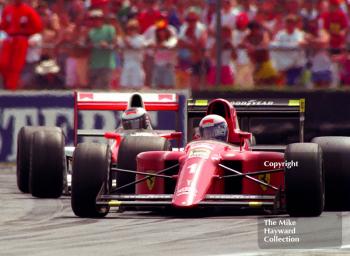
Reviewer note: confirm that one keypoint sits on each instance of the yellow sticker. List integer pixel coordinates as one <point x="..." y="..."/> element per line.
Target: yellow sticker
<point x="294" y="103"/>
<point x="150" y="182"/>
<point x="201" y="103"/>
<point x="302" y="105"/>
<point x="265" y="178"/>
<point x="114" y="203"/>
<point x="255" y="204"/>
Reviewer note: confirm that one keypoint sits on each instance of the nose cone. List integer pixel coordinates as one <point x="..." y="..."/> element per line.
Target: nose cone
<point x="194" y="181"/>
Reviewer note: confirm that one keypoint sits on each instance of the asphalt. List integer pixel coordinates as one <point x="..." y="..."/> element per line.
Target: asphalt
<point x="30" y="226"/>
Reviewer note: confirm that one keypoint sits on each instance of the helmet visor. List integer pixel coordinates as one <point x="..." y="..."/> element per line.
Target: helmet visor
<point x="132" y="124"/>
<point x="218" y="132"/>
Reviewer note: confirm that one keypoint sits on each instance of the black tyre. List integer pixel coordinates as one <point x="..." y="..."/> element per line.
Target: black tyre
<point x="47" y="163"/>
<point x="129" y="148"/>
<point x="24" y="141"/>
<point x="91" y="165"/>
<point x="336" y="163"/>
<point x="304" y="183"/>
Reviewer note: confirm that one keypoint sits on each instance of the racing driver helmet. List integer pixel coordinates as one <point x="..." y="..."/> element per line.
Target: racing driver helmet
<point x="135" y="118"/>
<point x="213" y="127"/>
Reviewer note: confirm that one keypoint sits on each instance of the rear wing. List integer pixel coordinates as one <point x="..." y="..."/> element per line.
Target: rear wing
<point x="250" y="108"/>
<point x="113" y="101"/>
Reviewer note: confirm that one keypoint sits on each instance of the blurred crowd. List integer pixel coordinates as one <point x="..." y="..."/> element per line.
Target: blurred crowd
<point x="166" y="44"/>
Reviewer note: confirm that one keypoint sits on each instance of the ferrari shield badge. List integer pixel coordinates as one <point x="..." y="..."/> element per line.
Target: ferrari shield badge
<point x="265" y="178"/>
<point x="150" y="182"/>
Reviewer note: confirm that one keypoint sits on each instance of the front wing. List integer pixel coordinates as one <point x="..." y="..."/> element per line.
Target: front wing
<point x="211" y="200"/>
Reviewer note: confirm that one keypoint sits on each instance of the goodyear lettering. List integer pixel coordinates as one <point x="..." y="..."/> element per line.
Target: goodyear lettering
<point x="253" y="103"/>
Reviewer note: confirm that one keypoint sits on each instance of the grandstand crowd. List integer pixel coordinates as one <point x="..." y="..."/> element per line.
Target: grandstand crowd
<point x="166" y="44"/>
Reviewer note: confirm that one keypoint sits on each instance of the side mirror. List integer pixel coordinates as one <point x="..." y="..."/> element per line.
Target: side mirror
<point x="113" y="136"/>
<point x="172" y="135"/>
<point x="245" y="135"/>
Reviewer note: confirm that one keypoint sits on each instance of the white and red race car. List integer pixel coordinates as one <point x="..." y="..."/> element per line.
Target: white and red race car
<point x="44" y="162"/>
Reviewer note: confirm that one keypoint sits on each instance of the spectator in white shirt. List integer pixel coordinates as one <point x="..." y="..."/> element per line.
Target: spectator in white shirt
<point x="228" y="16"/>
<point x="150" y="37"/>
<point x="164" y="58"/>
<point x="133" y="75"/>
<point x="288" y="53"/>
<point x="192" y="41"/>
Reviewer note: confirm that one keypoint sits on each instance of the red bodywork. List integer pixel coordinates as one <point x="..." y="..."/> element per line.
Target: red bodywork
<point x="199" y="173"/>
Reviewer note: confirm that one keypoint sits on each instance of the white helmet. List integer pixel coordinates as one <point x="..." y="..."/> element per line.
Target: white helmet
<point x="213" y="127"/>
<point x="135" y="118"/>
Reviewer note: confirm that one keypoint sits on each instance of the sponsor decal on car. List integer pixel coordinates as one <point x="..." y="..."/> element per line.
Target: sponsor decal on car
<point x="199" y="152"/>
<point x="264" y="178"/>
<point x="252" y="103"/>
<point x="151" y="182"/>
<point x="186" y="190"/>
<point x="86" y="95"/>
<point x="165" y="97"/>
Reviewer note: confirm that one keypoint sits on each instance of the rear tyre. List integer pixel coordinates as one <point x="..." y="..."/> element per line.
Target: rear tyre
<point x="24" y="141"/>
<point x="91" y="165"/>
<point x="304" y="183"/>
<point x="336" y="162"/>
<point x="129" y="148"/>
<point x="47" y="163"/>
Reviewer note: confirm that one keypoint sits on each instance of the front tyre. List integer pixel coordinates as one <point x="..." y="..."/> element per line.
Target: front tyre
<point x="304" y="183"/>
<point x="91" y="165"/>
<point x="336" y="161"/>
<point x="129" y="148"/>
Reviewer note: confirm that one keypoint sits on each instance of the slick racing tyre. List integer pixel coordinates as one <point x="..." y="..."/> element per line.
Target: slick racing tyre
<point x="304" y="183"/>
<point x="336" y="163"/>
<point x="24" y="141"/>
<point x="91" y="165"/>
<point x="47" y="163"/>
<point x="129" y="148"/>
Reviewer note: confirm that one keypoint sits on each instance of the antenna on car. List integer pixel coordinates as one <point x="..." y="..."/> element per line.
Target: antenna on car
<point x="136" y="101"/>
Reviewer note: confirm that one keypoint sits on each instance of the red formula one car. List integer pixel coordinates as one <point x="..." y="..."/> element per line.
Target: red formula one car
<point x="223" y="168"/>
<point x="44" y="163"/>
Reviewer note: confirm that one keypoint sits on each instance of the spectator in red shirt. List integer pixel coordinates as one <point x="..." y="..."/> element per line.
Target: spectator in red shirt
<point x="19" y="21"/>
<point x="336" y="24"/>
<point x="149" y="16"/>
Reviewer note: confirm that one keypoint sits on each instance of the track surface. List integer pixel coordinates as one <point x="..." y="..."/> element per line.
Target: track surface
<point x="30" y="226"/>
